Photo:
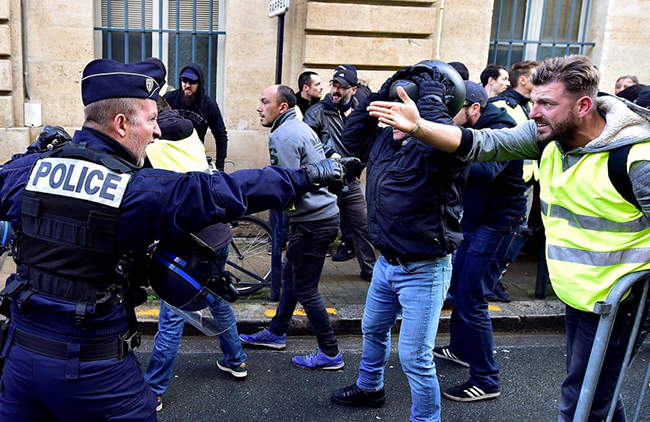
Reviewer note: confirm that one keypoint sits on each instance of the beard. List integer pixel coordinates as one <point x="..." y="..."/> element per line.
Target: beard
<point x="339" y="99"/>
<point x="189" y="99"/>
<point x="560" y="131"/>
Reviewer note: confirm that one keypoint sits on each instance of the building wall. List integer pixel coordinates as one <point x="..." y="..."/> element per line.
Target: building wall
<point x="377" y="37"/>
<point x="621" y="32"/>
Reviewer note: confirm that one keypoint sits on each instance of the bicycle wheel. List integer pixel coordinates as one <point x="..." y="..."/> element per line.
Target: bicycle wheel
<point x="249" y="258"/>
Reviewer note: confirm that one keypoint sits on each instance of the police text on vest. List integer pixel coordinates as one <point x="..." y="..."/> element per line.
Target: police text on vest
<point x="78" y="179"/>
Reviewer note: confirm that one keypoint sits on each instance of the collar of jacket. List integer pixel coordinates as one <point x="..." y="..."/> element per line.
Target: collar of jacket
<point x="512" y="97"/>
<point x="102" y="142"/>
<point x="291" y="113"/>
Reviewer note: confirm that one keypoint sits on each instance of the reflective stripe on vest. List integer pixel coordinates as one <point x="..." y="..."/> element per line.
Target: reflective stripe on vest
<point x="594" y="236"/>
<point x="182" y="156"/>
<point x="531" y="170"/>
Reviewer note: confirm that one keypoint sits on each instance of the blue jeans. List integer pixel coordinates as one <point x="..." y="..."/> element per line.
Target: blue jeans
<point x="170" y="330"/>
<point x="416" y="290"/>
<point x="478" y="265"/>
<point x="301" y="271"/>
<point x="581" y="330"/>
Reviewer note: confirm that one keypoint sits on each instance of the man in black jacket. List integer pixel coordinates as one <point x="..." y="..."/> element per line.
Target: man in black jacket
<point x="328" y="118"/>
<point x="309" y="90"/>
<point x="414" y="194"/>
<point x="494" y="231"/>
<point x="194" y="104"/>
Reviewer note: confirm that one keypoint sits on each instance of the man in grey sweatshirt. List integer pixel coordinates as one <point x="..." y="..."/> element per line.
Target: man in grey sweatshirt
<point x="313" y="225"/>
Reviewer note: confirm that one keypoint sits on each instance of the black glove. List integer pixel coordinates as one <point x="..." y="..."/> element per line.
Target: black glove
<point x="432" y="104"/>
<point x="404" y="73"/>
<point x="331" y="172"/>
<point x="50" y="138"/>
<point x="431" y="87"/>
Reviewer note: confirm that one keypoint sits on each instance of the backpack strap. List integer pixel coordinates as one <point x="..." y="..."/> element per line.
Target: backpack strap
<point x="618" y="175"/>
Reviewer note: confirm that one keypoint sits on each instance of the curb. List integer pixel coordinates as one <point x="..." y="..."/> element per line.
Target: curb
<point x="518" y="316"/>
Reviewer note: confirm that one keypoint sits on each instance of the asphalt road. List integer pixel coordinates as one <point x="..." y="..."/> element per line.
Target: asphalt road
<point x="532" y="368"/>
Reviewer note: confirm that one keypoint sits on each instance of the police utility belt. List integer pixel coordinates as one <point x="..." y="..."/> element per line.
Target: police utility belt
<point x="119" y="348"/>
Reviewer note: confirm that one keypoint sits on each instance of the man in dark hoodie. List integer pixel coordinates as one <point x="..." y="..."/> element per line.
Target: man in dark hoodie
<point x="194" y="104"/>
<point x="327" y="118"/>
<point x="494" y="230"/>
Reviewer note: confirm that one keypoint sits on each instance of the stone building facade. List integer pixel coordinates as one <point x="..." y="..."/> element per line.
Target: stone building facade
<point x="40" y="78"/>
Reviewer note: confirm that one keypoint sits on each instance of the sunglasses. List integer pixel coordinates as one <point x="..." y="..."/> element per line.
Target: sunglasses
<point x="188" y="81"/>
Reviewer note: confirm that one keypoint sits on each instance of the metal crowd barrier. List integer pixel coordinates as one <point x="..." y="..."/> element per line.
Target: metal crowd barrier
<point x="607" y="310"/>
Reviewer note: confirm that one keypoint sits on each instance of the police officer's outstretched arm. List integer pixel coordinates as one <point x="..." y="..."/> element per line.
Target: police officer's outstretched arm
<point x="222" y="197"/>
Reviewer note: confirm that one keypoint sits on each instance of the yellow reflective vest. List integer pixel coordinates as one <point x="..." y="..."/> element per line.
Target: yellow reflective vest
<point x="593" y="236"/>
<point x="531" y="168"/>
<point x="182" y="156"/>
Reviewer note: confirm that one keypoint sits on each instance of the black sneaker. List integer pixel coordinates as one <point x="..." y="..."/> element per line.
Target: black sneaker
<point x="345" y="252"/>
<point x="158" y="403"/>
<point x="354" y="396"/>
<point x="238" y="371"/>
<point x="468" y="392"/>
<point x="499" y="294"/>
<point x="445" y="353"/>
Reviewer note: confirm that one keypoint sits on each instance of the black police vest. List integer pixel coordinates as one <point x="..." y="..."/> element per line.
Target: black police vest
<point x="70" y="215"/>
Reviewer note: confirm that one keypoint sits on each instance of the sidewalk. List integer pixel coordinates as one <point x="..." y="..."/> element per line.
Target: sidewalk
<point x="344" y="293"/>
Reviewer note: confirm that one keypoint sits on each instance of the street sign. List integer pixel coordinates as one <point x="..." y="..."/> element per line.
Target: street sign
<point x="278" y="7"/>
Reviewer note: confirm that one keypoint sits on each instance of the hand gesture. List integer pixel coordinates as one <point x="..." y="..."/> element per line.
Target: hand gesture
<point x="403" y="116"/>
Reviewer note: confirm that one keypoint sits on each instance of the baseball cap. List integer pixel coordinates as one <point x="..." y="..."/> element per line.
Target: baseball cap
<point x="105" y="78"/>
<point x="475" y="93"/>
<point x="189" y="73"/>
<point x="346" y="75"/>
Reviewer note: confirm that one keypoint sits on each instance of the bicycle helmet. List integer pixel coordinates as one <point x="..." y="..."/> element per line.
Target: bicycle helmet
<point x="186" y="274"/>
<point x="454" y="85"/>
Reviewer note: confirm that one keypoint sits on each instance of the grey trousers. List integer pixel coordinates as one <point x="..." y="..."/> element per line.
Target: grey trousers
<point x="354" y="217"/>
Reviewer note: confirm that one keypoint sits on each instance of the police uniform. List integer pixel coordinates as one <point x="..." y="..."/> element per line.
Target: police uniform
<point x="84" y="217"/>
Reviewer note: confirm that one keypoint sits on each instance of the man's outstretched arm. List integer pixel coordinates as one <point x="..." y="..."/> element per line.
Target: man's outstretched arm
<point x="475" y="145"/>
<point x="405" y="117"/>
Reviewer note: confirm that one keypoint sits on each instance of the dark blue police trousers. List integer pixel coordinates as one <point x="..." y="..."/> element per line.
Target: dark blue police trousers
<point x="40" y="388"/>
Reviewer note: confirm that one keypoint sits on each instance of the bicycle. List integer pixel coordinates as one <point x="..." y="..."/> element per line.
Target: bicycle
<point x="249" y="260"/>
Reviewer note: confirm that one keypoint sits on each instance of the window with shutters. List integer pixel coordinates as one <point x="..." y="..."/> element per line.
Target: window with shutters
<point x="538" y="29"/>
<point x="175" y="31"/>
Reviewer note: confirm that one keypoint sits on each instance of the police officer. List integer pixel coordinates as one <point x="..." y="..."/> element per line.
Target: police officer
<point x="84" y="215"/>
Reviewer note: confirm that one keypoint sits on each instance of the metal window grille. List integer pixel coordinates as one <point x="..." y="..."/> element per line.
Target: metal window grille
<point x="175" y="31"/>
<point x="538" y="29"/>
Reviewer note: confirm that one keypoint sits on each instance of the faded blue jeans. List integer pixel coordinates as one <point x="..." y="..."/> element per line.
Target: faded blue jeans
<point x="417" y="291"/>
<point x="168" y="338"/>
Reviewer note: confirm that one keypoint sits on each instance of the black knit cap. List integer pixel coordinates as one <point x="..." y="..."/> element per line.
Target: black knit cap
<point x="104" y="78"/>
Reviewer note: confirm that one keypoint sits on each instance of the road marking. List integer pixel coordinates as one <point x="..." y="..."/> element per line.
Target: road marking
<point x="493" y="308"/>
<point x="298" y="312"/>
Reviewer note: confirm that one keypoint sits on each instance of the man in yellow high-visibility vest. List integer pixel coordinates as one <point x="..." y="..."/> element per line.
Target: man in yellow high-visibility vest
<point x="594" y="235"/>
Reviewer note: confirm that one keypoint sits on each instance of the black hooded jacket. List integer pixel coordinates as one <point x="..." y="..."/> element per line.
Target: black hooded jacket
<point x="203" y="112"/>
<point x="494" y="195"/>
